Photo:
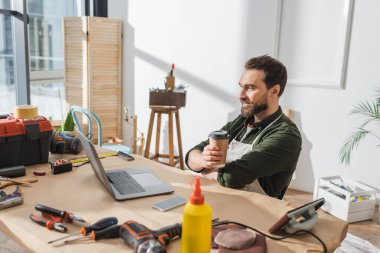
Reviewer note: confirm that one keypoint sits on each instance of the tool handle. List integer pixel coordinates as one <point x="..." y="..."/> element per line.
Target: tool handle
<point x="85" y="230"/>
<point x="110" y="232"/>
<point x="26" y="181"/>
<point x="165" y="234"/>
<point x="23" y="182"/>
<point x="38" y="220"/>
<point x="4" y="184"/>
<point x="134" y="233"/>
<point x="99" y="225"/>
<point x="50" y="210"/>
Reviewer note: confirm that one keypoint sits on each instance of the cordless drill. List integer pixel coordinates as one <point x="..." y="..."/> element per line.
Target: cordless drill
<point x="144" y="240"/>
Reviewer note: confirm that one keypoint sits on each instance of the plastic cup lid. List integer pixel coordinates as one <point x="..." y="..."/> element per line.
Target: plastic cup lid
<point x="219" y="134"/>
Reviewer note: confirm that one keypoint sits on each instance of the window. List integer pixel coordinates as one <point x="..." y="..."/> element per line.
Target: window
<point x="45" y="54"/>
<point x="7" y="80"/>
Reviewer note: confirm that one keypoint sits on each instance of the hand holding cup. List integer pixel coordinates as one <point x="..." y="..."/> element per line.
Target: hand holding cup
<point x="215" y="153"/>
<point x="212" y="156"/>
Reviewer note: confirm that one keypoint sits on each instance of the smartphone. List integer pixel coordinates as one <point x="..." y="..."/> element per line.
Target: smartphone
<point x="168" y="204"/>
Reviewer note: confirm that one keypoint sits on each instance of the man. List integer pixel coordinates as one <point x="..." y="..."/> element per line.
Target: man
<point x="264" y="144"/>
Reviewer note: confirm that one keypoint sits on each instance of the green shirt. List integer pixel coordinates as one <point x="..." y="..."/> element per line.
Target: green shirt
<point x="272" y="160"/>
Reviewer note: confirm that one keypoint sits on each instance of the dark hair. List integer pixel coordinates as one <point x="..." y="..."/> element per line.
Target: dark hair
<point x="275" y="72"/>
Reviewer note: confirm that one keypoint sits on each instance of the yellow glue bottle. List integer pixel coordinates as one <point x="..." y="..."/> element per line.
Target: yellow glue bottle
<point x="196" y="226"/>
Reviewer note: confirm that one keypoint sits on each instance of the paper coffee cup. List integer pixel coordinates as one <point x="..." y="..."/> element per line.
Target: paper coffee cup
<point x="219" y="138"/>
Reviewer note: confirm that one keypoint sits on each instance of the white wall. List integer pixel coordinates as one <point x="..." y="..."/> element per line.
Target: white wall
<point x="209" y="41"/>
<point x="118" y="9"/>
<point x="323" y="114"/>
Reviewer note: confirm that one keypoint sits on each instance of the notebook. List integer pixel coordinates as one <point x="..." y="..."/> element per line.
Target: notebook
<point x="124" y="183"/>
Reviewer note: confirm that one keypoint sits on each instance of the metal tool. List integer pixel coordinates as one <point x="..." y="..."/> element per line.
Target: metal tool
<point x="66" y="216"/>
<point x="52" y="223"/>
<point x="144" y="240"/>
<point x="108" y="233"/>
<point x="10" y="200"/>
<point x="97" y="226"/>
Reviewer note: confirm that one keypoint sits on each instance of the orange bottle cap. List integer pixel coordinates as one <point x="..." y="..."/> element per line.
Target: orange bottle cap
<point x="197" y="198"/>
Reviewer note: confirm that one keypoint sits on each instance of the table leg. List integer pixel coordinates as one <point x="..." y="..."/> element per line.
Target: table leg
<point x="147" y="147"/>
<point x="171" y="148"/>
<point x="158" y="131"/>
<point x="179" y="140"/>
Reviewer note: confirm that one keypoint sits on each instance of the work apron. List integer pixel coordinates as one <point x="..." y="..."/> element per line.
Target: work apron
<point x="237" y="149"/>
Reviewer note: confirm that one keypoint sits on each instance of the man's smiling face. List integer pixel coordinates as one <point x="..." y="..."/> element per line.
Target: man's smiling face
<point x="254" y="92"/>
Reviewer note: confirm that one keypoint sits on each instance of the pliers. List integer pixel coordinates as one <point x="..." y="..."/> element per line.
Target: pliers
<point x="53" y="223"/>
<point x="54" y="218"/>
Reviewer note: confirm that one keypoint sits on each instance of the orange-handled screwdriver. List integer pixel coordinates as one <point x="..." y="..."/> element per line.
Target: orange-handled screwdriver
<point x="107" y="233"/>
<point x="97" y="226"/>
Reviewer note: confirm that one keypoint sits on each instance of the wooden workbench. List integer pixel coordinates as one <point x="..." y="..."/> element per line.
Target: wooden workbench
<point x="82" y="193"/>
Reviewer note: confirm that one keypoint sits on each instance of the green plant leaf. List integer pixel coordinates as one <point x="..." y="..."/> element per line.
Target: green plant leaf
<point x="369" y="111"/>
<point x="350" y="144"/>
<point x="378" y="96"/>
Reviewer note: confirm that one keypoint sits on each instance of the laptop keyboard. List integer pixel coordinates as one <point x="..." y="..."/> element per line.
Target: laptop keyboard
<point x="124" y="183"/>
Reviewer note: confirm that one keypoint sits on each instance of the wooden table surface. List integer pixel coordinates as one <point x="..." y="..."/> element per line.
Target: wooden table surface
<point x="82" y="193"/>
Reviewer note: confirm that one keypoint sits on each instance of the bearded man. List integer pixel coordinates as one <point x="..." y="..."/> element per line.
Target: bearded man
<point x="264" y="144"/>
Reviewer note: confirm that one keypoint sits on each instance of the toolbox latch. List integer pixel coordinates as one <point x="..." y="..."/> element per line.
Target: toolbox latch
<point x="32" y="131"/>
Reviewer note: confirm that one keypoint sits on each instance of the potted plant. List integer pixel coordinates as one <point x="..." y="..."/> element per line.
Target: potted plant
<point x="370" y="112"/>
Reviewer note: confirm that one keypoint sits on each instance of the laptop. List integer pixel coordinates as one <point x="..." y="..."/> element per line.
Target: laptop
<point x="124" y="183"/>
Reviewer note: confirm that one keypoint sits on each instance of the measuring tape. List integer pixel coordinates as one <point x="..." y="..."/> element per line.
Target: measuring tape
<point x="85" y="159"/>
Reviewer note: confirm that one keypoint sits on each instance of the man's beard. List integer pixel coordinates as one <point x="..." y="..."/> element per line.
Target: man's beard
<point x="255" y="110"/>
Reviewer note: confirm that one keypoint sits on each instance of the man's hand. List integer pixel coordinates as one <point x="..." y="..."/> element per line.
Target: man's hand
<point x="207" y="159"/>
<point x="212" y="156"/>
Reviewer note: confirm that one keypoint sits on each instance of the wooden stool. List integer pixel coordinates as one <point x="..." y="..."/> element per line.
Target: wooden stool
<point x="173" y="159"/>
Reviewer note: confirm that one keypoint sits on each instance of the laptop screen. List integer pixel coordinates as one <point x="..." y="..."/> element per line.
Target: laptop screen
<point x="96" y="164"/>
